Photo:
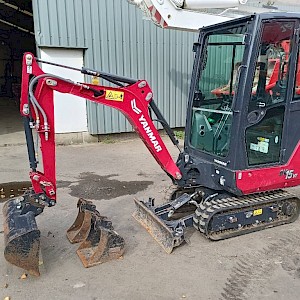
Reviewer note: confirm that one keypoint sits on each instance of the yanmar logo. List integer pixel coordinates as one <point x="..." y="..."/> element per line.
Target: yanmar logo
<point x="134" y="107"/>
<point x="146" y="126"/>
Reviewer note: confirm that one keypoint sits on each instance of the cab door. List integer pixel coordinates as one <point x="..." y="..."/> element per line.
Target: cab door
<point x="268" y="100"/>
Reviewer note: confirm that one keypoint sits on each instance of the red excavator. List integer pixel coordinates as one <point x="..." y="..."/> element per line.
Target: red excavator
<point x="241" y="143"/>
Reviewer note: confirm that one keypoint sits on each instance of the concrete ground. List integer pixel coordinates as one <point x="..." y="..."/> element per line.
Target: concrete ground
<point x="11" y="125"/>
<point x="263" y="265"/>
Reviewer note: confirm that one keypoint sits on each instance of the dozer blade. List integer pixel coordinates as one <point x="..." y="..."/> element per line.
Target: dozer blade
<point x="21" y="237"/>
<point x="99" y="242"/>
<point x="155" y="226"/>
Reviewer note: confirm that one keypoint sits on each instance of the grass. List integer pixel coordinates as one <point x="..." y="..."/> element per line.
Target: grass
<point x="107" y="141"/>
<point x="179" y="134"/>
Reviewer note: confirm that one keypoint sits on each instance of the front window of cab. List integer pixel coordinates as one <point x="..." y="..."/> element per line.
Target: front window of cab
<point x="212" y="102"/>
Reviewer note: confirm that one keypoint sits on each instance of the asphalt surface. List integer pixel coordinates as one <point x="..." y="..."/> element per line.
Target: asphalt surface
<point x="261" y="265"/>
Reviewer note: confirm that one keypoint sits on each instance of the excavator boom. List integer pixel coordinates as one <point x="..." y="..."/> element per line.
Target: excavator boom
<point x="99" y="241"/>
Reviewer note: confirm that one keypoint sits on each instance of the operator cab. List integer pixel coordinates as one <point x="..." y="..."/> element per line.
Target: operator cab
<point x="245" y="82"/>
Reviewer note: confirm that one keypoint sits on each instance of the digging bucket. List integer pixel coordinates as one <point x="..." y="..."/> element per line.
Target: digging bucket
<point x="80" y="229"/>
<point x="21" y="237"/>
<point x="101" y="245"/>
<point x="99" y="242"/>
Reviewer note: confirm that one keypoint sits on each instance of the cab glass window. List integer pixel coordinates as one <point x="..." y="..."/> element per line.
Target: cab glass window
<point x="212" y="102"/>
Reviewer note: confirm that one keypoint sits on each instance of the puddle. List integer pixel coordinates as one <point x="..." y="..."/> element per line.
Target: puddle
<point x="96" y="187"/>
<point x="89" y="186"/>
<point x="13" y="189"/>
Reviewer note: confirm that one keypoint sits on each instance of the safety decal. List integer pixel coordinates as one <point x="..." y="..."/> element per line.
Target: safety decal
<point x="261" y="146"/>
<point x="114" y="95"/>
<point x="257" y="212"/>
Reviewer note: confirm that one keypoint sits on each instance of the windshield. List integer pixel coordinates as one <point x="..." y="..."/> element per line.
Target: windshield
<point x="212" y="112"/>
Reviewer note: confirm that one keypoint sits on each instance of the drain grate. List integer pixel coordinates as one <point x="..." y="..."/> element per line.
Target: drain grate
<point x="13" y="189"/>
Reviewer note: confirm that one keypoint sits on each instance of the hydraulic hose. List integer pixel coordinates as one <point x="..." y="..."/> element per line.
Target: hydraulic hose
<point x="34" y="101"/>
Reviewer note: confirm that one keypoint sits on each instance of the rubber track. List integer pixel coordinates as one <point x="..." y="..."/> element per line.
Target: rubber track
<point x="206" y="211"/>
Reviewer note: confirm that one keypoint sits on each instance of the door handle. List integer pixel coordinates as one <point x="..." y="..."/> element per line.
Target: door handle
<point x="261" y="104"/>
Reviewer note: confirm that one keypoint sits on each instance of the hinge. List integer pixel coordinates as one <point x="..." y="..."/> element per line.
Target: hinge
<point x="297" y="34"/>
<point x="195" y="46"/>
<point x="283" y="153"/>
<point x="29" y="60"/>
<point x="247" y="38"/>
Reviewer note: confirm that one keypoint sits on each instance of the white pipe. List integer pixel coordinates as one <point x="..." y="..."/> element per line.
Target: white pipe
<point x="26" y="12"/>
<point x="201" y="4"/>
<point x="15" y="26"/>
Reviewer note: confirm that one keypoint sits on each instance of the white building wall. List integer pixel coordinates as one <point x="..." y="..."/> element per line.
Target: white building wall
<point x="69" y="111"/>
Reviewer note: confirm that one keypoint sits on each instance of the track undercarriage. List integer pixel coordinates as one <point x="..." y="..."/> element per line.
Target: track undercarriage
<point x="217" y="216"/>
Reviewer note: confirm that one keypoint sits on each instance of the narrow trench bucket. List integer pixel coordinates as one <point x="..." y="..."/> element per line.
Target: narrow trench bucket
<point x="155" y="226"/>
<point x="99" y="242"/>
<point x="80" y="229"/>
<point x="21" y="238"/>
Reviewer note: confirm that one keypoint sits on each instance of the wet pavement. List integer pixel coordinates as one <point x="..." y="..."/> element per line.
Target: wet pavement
<point x="96" y="187"/>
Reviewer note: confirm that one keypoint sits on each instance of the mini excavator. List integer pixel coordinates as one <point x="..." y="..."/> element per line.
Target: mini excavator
<point x="241" y="146"/>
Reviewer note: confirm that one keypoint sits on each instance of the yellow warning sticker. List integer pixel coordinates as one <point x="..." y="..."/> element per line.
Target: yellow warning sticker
<point x="114" y="95"/>
<point x="257" y="212"/>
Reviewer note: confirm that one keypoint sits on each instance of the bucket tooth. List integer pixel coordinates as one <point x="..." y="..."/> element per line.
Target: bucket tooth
<point x="155" y="226"/>
<point x="21" y="238"/>
<point x="99" y="242"/>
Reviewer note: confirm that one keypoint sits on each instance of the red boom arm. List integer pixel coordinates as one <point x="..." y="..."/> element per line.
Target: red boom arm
<point x="133" y="101"/>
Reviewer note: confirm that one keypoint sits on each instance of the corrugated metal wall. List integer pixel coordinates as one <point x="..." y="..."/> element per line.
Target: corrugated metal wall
<point x="119" y="41"/>
<point x="218" y="65"/>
